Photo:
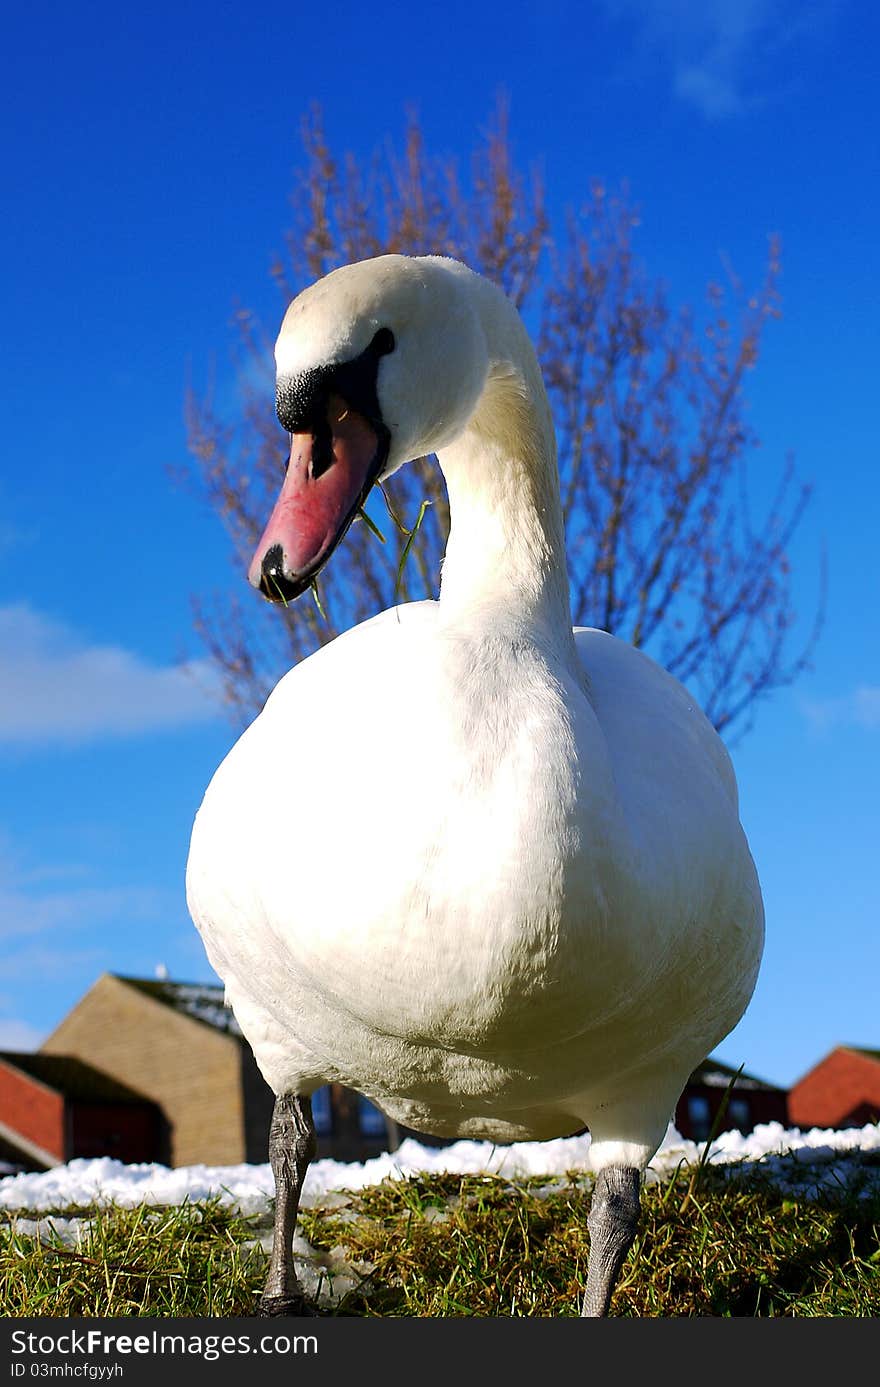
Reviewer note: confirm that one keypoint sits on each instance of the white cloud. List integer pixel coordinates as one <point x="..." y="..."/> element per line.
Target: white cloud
<point x="57" y="688"/>
<point x="59" y="899"/>
<point x="19" y="1035"/>
<point x="721" y="53"/>
<point x="24" y="912"/>
<point x="50" y="962"/>
<point x="714" y="93"/>
<point x="56" y="924"/>
<point x="860" y="708"/>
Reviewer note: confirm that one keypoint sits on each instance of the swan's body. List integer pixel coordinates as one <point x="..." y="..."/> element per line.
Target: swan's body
<point x="486" y="870"/>
<point x="454" y="923"/>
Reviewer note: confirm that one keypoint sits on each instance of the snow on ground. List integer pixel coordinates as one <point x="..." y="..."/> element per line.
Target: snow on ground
<point x="806" y="1163"/>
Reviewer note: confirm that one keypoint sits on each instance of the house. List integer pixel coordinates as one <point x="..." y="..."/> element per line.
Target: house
<point x="180" y="1045"/>
<point x="53" y="1108"/>
<point x="842" y="1090"/>
<point x="176" y="1049"/>
<point x="751" y="1102"/>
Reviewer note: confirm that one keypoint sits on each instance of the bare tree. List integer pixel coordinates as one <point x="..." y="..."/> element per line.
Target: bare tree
<point x="653" y="439"/>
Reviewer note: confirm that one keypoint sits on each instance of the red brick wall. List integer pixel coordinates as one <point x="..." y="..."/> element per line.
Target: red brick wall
<point x="30" y="1108"/>
<point x="838" y="1091"/>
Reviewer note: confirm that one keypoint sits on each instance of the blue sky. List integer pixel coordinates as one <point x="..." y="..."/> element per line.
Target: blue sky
<point x="147" y="170"/>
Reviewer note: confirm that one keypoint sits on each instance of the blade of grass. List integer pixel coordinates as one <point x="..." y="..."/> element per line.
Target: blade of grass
<point x="371" y="525"/>
<point x="410" y="536"/>
<point x="317" y="596"/>
<point x="281" y="597"/>
<point x="713" y="1132"/>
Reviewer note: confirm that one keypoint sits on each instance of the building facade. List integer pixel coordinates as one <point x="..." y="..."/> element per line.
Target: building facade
<point x="54" y="1108"/>
<point x="709" y="1103"/>
<point x="180" y="1045"/>
<point x="182" y="1087"/>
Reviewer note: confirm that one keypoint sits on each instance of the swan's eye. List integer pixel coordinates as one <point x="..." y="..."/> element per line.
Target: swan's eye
<point x="383" y="342"/>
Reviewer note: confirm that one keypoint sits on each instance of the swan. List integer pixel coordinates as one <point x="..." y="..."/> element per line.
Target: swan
<point x="484" y="868"/>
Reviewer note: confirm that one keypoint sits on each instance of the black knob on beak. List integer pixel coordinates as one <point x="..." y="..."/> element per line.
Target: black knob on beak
<point x="273" y="583"/>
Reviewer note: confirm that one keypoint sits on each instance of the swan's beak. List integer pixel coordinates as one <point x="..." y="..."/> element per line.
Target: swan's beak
<point x="328" y="477"/>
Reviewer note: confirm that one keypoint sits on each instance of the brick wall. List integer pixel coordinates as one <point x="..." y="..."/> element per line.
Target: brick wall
<point x="127" y="1131"/>
<point x="33" y="1110"/>
<point x="839" y="1091"/>
<point x="189" y="1069"/>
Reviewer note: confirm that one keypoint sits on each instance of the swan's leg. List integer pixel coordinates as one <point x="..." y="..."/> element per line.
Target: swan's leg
<point x="613" y="1219"/>
<point x="292" y="1146"/>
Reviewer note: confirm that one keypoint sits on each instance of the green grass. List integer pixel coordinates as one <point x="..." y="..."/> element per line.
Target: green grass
<point x="189" y="1260"/>
<point x="451" y="1245"/>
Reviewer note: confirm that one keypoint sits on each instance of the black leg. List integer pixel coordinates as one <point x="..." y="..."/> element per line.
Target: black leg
<point x="614" y="1217"/>
<point x="291" y="1147"/>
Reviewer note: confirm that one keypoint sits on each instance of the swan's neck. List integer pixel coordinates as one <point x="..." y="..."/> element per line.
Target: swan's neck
<point x="505" y="560"/>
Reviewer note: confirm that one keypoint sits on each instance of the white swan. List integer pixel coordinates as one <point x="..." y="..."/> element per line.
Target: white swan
<point x="484" y="869"/>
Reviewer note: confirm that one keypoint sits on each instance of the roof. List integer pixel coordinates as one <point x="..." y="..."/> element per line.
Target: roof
<point x="203" y="1001"/>
<point x="860" y="1050"/>
<point x="714" y="1074"/>
<point x="72" y="1077"/>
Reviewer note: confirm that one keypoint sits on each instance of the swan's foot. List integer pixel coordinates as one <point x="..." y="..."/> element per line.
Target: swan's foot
<point x="292" y="1146"/>
<point x="294" y="1305"/>
<point x="613" y="1219"/>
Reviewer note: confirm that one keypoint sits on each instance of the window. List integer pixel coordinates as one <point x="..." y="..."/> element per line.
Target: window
<point x="740" y="1114"/>
<point x="370" y="1120"/>
<point x="698" y="1116"/>
<point x="322" y="1113"/>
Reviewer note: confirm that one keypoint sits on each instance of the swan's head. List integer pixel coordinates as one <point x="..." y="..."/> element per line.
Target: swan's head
<point x="376" y="364"/>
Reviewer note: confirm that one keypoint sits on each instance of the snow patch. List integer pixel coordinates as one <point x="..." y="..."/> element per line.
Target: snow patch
<point x="807" y="1163"/>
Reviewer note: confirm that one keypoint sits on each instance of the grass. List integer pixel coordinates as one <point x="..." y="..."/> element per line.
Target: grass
<point x="194" y="1259"/>
<point x="452" y="1245"/>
